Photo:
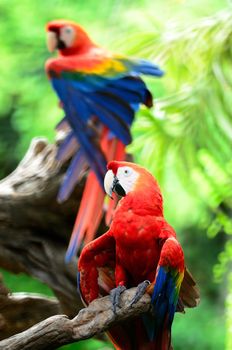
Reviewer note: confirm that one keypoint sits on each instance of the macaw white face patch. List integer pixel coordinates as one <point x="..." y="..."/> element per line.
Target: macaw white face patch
<point x="127" y="178"/>
<point x="67" y="35"/>
<point x="51" y="41"/>
<point x="108" y="182"/>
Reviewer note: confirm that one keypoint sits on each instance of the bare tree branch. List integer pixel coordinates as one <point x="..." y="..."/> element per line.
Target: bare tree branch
<point x="19" y="311"/>
<point x="34" y="228"/>
<point x="34" y="233"/>
<point x="59" y="330"/>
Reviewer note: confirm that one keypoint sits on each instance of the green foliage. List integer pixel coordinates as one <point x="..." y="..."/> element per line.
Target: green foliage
<point x="190" y="130"/>
<point x="192" y="123"/>
<point x="88" y="345"/>
<point x="24" y="283"/>
<point x="206" y="324"/>
<point x="229" y="314"/>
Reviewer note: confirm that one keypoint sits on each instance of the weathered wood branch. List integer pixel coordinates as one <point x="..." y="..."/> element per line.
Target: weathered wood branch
<point x="19" y="311"/>
<point x="59" y="330"/>
<point x="34" y="228"/>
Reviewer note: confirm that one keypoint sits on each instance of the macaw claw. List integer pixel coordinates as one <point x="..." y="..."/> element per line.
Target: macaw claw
<point x="115" y="296"/>
<point x="141" y="289"/>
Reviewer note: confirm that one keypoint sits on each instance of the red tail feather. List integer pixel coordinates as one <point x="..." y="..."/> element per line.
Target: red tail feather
<point x="133" y="336"/>
<point x="91" y="208"/>
<point x="97" y="212"/>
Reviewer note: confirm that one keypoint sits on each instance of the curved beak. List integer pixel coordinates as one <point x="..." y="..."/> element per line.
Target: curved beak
<point x="108" y="182"/>
<point x="52" y="41"/>
<point x="111" y="184"/>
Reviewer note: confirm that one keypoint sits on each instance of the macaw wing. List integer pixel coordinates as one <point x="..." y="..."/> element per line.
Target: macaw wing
<point x="106" y="282"/>
<point x="83" y="104"/>
<point x="108" y="86"/>
<point x="77" y="114"/>
<point x="96" y="267"/>
<point x="169" y="276"/>
<point x="96" y="278"/>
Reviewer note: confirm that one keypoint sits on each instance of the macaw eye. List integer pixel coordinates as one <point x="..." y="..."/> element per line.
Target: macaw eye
<point x="127" y="172"/>
<point x="67" y="35"/>
<point x="68" y="30"/>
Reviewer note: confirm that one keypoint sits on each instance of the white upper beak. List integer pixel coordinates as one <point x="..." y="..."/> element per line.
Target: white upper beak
<point x="108" y="182"/>
<point x="52" y="41"/>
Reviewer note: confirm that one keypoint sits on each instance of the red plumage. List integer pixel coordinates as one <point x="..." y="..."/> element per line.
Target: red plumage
<point x="140" y="245"/>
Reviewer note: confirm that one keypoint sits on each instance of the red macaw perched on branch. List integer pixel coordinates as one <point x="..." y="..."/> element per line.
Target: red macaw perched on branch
<point x="141" y="249"/>
<point x="100" y="93"/>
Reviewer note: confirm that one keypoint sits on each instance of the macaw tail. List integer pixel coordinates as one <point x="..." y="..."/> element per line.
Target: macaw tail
<point x="133" y="336"/>
<point x="93" y="204"/>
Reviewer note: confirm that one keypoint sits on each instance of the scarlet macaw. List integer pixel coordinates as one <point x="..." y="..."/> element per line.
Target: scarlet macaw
<point x="100" y="93"/>
<point x="140" y="248"/>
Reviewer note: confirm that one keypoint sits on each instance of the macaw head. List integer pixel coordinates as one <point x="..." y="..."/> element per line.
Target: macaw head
<point x="67" y="37"/>
<point x="129" y="179"/>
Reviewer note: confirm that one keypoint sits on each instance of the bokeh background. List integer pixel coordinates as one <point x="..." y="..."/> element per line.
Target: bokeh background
<point x="186" y="140"/>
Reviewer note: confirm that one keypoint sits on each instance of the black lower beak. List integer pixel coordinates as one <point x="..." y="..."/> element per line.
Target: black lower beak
<point x="117" y="188"/>
<point x="61" y="44"/>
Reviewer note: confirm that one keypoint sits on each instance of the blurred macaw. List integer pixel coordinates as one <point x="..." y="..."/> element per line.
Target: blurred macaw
<point x="100" y="93"/>
<point x="140" y="248"/>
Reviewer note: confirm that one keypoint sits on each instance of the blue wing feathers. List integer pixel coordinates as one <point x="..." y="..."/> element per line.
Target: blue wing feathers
<point x="67" y="148"/>
<point x="130" y="83"/>
<point x="163" y="302"/>
<point x="72" y="176"/>
<point x="114" y="104"/>
<point x="126" y="95"/>
<point x="113" y="99"/>
<point x="112" y="121"/>
<point x="86" y="138"/>
<point x="147" y="68"/>
<point x="164" y="290"/>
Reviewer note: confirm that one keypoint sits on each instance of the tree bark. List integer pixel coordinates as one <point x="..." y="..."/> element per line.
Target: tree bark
<point x="34" y="228"/>
<point x="59" y="330"/>
<point x="19" y="311"/>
